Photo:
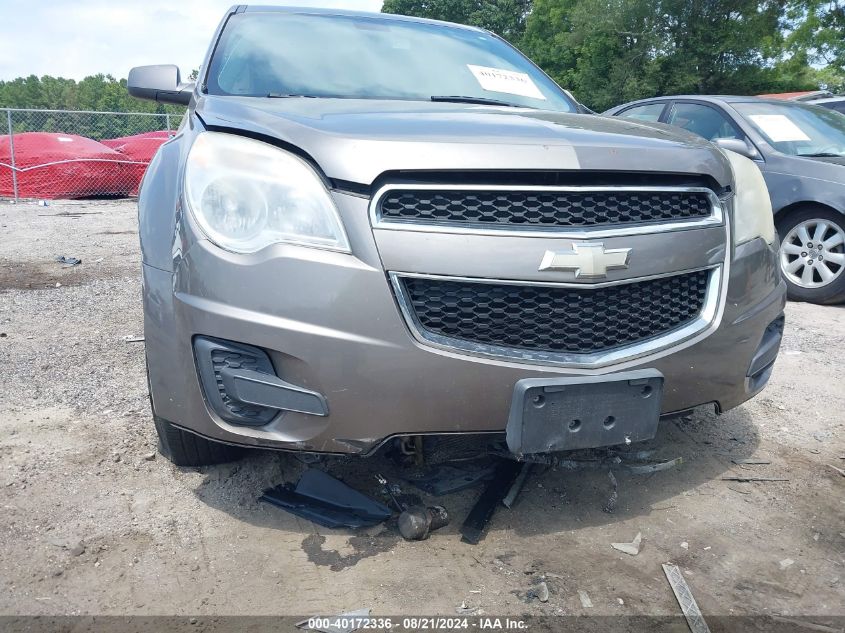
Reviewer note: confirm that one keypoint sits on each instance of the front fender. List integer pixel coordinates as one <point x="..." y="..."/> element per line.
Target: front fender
<point x="160" y="210"/>
<point x="788" y="191"/>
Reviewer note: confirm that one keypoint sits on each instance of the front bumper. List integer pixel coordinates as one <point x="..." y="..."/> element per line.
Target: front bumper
<point x="330" y="324"/>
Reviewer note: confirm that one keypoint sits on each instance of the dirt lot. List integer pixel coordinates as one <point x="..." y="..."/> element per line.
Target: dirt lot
<point x="94" y="522"/>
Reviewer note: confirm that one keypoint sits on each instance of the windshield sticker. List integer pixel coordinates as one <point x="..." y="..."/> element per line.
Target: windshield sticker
<point x="778" y="127"/>
<point x="507" y="81"/>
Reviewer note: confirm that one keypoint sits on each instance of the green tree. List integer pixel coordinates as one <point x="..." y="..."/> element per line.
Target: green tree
<point x="602" y="50"/>
<point x="612" y="51"/>
<point x="817" y="31"/>
<point x="720" y="46"/>
<point x="504" y="17"/>
<point x="98" y="93"/>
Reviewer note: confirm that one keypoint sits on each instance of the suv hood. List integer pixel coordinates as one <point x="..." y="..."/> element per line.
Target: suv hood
<point x="357" y="140"/>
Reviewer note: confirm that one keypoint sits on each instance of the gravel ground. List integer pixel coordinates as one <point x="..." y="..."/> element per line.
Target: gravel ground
<point x="94" y="522"/>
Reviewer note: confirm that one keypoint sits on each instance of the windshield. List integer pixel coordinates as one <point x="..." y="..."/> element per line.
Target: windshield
<point x="292" y="54"/>
<point x="798" y="130"/>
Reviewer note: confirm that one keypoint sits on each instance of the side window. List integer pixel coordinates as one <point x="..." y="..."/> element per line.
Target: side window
<point x="702" y="120"/>
<point x="649" y="112"/>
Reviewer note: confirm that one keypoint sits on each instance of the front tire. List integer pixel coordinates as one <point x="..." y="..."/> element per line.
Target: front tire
<point x="812" y="255"/>
<point x="186" y="449"/>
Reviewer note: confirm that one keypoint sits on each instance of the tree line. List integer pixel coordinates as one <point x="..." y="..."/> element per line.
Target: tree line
<point x="100" y="93"/>
<point x="611" y="51"/>
<point x="97" y="92"/>
<point x="604" y="51"/>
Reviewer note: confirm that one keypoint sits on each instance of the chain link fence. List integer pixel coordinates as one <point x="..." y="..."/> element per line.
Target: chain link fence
<point x="49" y="154"/>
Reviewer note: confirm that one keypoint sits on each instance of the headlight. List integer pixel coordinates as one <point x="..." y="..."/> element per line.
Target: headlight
<point x="246" y="195"/>
<point x="752" y="205"/>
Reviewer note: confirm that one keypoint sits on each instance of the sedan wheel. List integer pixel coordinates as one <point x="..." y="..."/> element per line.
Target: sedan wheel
<point x="812" y="256"/>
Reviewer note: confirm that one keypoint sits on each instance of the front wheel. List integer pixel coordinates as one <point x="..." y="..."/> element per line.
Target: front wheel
<point x="812" y="255"/>
<point x="186" y="449"/>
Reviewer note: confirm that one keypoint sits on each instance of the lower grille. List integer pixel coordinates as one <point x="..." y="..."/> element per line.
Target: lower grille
<point x="213" y="356"/>
<point x="221" y="358"/>
<point x="554" y="319"/>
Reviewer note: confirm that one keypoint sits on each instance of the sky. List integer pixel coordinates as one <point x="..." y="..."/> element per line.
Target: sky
<point x="77" y="38"/>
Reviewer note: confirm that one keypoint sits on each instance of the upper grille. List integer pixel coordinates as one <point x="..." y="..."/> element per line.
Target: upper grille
<point x="555" y="319"/>
<point x="543" y="208"/>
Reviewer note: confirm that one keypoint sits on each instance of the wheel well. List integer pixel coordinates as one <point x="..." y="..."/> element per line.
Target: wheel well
<point x="780" y="214"/>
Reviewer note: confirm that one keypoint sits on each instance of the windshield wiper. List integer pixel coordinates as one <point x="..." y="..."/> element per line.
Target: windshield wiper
<point x="478" y="100"/>
<point x="279" y="95"/>
<point x="822" y="155"/>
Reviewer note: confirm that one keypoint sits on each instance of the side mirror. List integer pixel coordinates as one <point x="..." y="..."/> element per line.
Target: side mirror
<point x="161" y="82"/>
<point x="739" y="146"/>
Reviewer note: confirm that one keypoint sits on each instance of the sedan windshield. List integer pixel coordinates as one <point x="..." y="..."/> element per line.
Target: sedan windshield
<point x="286" y="54"/>
<point x="798" y="130"/>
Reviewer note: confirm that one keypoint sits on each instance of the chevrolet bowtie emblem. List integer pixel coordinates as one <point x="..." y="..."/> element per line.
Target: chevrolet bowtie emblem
<point x="587" y="259"/>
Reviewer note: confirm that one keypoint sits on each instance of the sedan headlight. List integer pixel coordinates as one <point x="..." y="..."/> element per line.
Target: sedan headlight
<point x="246" y="195"/>
<point x="752" y="205"/>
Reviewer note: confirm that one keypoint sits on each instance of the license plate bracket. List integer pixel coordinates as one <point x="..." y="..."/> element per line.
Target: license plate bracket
<point x="562" y="414"/>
